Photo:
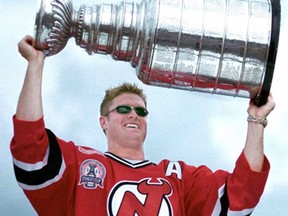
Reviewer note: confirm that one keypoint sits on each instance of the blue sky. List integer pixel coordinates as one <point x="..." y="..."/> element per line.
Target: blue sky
<point x="195" y="127"/>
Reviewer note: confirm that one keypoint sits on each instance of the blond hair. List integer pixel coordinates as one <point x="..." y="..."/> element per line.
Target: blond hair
<point x="112" y="93"/>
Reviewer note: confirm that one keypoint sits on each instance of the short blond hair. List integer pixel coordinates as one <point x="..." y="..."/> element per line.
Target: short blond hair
<point x="112" y="93"/>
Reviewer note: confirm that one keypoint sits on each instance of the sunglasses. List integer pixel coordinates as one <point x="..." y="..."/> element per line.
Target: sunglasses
<point x="124" y="109"/>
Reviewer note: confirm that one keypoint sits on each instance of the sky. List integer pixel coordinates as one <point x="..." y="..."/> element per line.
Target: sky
<point x="198" y="128"/>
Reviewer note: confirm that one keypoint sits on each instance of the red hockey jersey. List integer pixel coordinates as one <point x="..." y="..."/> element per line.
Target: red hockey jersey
<point x="60" y="178"/>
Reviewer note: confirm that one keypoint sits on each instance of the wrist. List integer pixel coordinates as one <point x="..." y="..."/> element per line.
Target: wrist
<point x="35" y="56"/>
<point x="258" y="120"/>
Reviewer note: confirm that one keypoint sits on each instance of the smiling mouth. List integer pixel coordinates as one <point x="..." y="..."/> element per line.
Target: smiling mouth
<point x="132" y="126"/>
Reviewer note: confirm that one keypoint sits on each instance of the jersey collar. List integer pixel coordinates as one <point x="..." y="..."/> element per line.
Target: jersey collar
<point x="127" y="162"/>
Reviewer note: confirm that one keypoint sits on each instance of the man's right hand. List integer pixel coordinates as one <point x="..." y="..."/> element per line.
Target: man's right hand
<point x="26" y="49"/>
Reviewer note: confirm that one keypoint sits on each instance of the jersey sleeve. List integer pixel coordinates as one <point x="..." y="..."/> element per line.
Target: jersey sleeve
<point x="245" y="186"/>
<point x="29" y="144"/>
<point x="40" y="168"/>
<point x="224" y="193"/>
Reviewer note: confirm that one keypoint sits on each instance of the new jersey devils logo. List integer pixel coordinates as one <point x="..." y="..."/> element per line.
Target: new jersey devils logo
<point x="140" y="198"/>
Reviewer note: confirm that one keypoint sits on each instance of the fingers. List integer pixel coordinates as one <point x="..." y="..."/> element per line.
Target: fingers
<point x="264" y="110"/>
<point x="24" y="46"/>
<point x="270" y="102"/>
<point x="27" y="40"/>
<point x="26" y="49"/>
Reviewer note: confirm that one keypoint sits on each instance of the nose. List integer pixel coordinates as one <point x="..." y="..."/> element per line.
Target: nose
<point x="132" y="114"/>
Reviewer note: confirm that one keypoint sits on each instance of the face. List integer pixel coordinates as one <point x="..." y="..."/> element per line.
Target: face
<point x="126" y="130"/>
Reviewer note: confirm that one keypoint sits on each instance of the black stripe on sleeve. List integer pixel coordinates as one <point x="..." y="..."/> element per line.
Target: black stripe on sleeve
<point x="224" y="203"/>
<point x="49" y="171"/>
<point x="224" y="200"/>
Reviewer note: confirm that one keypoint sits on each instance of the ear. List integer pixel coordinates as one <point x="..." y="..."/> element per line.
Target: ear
<point x="103" y="122"/>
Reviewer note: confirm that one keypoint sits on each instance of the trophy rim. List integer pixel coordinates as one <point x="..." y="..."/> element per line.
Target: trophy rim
<point x="261" y="99"/>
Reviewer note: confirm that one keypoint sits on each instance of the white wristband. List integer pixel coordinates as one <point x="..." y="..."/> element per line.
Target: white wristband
<point x="258" y="119"/>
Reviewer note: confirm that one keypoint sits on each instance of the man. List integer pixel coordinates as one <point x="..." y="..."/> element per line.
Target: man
<point x="61" y="178"/>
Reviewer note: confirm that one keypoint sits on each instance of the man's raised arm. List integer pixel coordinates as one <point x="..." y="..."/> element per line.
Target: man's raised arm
<point x="30" y="101"/>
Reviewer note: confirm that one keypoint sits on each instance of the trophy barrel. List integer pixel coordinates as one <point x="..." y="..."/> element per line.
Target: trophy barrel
<point x="212" y="46"/>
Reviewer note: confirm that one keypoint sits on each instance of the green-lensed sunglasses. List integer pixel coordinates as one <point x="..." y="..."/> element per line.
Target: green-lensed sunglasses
<point x="124" y="109"/>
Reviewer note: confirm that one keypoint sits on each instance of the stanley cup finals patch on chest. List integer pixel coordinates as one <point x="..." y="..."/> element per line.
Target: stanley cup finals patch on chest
<point x="92" y="174"/>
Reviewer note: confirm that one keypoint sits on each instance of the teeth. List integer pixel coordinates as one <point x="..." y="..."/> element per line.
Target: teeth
<point x="131" y="126"/>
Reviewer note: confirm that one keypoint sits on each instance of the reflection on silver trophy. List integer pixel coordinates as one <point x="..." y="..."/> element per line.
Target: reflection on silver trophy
<point x="224" y="47"/>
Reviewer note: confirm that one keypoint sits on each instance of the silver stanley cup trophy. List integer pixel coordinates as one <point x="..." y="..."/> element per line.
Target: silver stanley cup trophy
<point x="224" y="47"/>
